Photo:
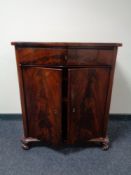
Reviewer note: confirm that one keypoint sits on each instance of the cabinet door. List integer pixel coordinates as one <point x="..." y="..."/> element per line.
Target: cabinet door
<point x="88" y="89"/>
<point x="42" y="90"/>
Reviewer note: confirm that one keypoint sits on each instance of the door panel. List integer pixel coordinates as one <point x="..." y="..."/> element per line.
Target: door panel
<point x="42" y="88"/>
<point x="87" y="96"/>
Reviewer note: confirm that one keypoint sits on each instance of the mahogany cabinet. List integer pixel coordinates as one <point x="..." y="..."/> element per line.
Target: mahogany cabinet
<point x="65" y="91"/>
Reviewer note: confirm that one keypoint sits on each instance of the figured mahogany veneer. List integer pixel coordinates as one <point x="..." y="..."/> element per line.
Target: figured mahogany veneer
<point x="65" y="91"/>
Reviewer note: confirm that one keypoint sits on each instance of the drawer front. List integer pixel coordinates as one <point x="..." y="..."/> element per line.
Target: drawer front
<point x="41" y="56"/>
<point x="90" y="57"/>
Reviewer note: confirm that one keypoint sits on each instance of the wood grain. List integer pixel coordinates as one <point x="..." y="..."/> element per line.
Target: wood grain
<point x="65" y="91"/>
<point x="90" y="57"/>
<point x="88" y="89"/>
<point x="41" y="56"/>
<point x="42" y="88"/>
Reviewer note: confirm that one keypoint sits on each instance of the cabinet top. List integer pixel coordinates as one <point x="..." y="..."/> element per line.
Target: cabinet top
<point x="64" y="44"/>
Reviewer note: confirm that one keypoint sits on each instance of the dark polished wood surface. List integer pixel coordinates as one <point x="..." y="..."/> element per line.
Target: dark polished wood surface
<point x="42" y="87"/>
<point x="41" y="56"/>
<point x="65" y="91"/>
<point x="88" y="90"/>
<point x="65" y="57"/>
<point x="63" y="44"/>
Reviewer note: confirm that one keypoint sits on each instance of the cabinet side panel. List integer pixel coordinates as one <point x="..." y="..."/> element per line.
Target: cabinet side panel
<point x="108" y="101"/>
<point x="42" y="87"/>
<point x="22" y="95"/>
<point x="88" y="94"/>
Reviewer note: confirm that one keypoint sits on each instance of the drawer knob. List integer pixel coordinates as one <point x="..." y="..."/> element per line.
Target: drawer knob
<point x="66" y="58"/>
<point x="74" y="110"/>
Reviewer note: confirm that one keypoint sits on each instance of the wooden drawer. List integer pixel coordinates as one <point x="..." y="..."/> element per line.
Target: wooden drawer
<point x="90" y="57"/>
<point x="41" y="56"/>
<point x="64" y="57"/>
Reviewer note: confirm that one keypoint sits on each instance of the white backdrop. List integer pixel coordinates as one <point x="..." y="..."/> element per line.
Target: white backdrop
<point x="66" y="21"/>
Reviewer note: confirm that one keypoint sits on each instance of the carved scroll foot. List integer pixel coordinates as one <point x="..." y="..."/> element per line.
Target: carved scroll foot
<point x="105" y="144"/>
<point x="26" y="142"/>
<point x="103" y="141"/>
<point x="25" y="146"/>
